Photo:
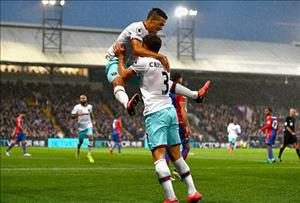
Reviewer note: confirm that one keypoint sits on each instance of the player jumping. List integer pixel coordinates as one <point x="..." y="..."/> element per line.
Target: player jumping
<point x="85" y="121"/>
<point x="19" y="135"/>
<point x="131" y="38"/>
<point x="270" y="127"/>
<point x="160" y="118"/>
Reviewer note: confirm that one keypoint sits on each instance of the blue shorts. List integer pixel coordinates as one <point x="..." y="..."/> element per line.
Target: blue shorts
<point x="112" y="73"/>
<point x="116" y="137"/>
<point x="20" y="137"/>
<point x="271" y="139"/>
<point x="83" y="133"/>
<point x="162" y="128"/>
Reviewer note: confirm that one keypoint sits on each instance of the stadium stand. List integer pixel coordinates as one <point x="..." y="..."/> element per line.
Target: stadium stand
<point x="247" y="76"/>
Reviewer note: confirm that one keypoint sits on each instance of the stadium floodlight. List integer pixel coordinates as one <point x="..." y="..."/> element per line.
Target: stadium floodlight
<point x="52" y="2"/>
<point x="181" y="11"/>
<point x="45" y="2"/>
<point x="62" y="2"/>
<point x="193" y="12"/>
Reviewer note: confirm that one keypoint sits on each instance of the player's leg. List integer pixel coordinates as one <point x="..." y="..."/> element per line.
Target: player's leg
<point x="81" y="135"/>
<point x="157" y="141"/>
<point x="281" y="151"/>
<point x="196" y="95"/>
<point x="175" y="156"/>
<point x="184" y="171"/>
<point x="117" y="82"/>
<point x="269" y="143"/>
<point x="11" y="145"/>
<point x="90" y="145"/>
<point x="163" y="173"/>
<point x="119" y="147"/>
<point x="297" y="147"/>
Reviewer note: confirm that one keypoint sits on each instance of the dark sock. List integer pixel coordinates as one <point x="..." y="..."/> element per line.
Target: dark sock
<point x="298" y="152"/>
<point x="280" y="152"/>
<point x="78" y="147"/>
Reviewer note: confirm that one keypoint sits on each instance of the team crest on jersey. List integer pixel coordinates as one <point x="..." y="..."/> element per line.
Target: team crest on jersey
<point x="139" y="30"/>
<point x="114" y="73"/>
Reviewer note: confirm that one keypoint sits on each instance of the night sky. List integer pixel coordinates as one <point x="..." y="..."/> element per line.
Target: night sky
<point x="271" y="21"/>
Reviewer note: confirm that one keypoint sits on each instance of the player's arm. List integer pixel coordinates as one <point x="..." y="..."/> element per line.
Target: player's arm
<point x="120" y="53"/>
<point x="75" y="113"/>
<point x="139" y="50"/>
<point x="290" y="130"/>
<point x="21" y="126"/>
<point x="183" y="110"/>
<point x="267" y="125"/>
<point x="93" y="118"/>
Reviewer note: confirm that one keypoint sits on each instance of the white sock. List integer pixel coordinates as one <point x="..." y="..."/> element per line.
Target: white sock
<point x="180" y="89"/>
<point x="163" y="172"/>
<point x="90" y="146"/>
<point x="121" y="95"/>
<point x="184" y="170"/>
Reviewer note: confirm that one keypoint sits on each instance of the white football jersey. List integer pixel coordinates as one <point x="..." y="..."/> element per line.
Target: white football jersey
<point x="135" y="30"/>
<point x="233" y="130"/>
<point x="154" y="84"/>
<point x="84" y="121"/>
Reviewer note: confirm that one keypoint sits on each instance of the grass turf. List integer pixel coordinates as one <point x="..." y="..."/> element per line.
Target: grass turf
<point x="55" y="175"/>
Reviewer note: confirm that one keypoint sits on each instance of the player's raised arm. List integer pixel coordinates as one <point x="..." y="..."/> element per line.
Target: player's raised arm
<point x="120" y="53"/>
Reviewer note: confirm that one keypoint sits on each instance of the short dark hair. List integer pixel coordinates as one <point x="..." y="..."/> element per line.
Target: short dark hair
<point x="175" y="77"/>
<point x="23" y="112"/>
<point x="270" y="109"/>
<point x="153" y="42"/>
<point x="154" y="12"/>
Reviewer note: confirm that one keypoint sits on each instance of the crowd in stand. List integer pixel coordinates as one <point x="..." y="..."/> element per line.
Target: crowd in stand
<point x="210" y="118"/>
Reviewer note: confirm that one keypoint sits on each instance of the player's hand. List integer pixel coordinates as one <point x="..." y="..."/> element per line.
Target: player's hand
<point x="119" y="49"/>
<point x="165" y="62"/>
<point x="293" y="133"/>
<point x="80" y="114"/>
<point x="187" y="132"/>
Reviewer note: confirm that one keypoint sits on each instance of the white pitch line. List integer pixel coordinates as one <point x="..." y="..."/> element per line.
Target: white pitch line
<point x="135" y="169"/>
<point x="70" y="169"/>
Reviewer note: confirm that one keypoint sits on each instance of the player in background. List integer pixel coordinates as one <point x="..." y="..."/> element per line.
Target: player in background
<point x="290" y="134"/>
<point x="180" y="104"/>
<point x="233" y="129"/>
<point x="160" y="118"/>
<point x="83" y="112"/>
<point x="271" y="127"/>
<point x="117" y="135"/>
<point x="19" y="134"/>
<point x="131" y="38"/>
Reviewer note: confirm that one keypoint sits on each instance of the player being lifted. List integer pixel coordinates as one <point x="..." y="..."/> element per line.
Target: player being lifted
<point x="270" y="127"/>
<point x="131" y="38"/>
<point x="290" y="133"/>
<point x="160" y="118"/>
<point x="83" y="112"/>
<point x="117" y="135"/>
<point x="19" y="134"/>
<point x="233" y="130"/>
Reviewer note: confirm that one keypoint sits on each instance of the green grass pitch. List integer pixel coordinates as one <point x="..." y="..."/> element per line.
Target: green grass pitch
<point x="55" y="175"/>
